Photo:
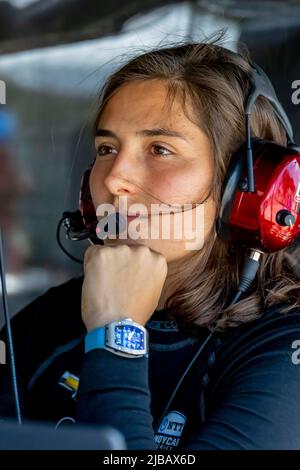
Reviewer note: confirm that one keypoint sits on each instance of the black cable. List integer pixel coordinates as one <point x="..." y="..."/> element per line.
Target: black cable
<point x="61" y="245"/>
<point x="249" y="155"/>
<point x="9" y="336"/>
<point x="248" y="274"/>
<point x="236" y="297"/>
<point x="209" y="337"/>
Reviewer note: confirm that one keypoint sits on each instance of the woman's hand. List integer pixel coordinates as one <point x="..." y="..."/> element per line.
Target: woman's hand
<point x="119" y="282"/>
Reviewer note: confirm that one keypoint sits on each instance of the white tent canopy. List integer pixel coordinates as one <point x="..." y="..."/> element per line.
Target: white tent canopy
<point x="80" y="67"/>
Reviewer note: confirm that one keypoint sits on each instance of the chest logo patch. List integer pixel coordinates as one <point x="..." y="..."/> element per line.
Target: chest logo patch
<point x="170" y="430"/>
<point x="70" y="382"/>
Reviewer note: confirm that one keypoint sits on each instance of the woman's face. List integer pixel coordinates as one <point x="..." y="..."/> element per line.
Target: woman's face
<point x="150" y="153"/>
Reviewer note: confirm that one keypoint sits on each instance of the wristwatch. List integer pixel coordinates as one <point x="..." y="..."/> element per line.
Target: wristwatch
<point x="125" y="338"/>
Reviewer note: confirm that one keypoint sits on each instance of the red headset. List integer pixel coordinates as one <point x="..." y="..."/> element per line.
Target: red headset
<point x="260" y="205"/>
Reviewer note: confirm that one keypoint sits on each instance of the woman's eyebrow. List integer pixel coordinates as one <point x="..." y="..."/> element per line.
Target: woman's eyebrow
<point x="105" y="133"/>
<point x="161" y="131"/>
<point x="145" y="132"/>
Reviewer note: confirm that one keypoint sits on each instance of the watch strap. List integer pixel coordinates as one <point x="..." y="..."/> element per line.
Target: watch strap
<point x="95" y="339"/>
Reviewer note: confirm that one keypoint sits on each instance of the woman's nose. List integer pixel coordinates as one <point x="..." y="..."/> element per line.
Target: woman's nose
<point x="118" y="185"/>
<point x="122" y="179"/>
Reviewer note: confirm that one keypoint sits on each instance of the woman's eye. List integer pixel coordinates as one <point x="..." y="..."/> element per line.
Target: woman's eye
<point x="159" y="150"/>
<point x="103" y="150"/>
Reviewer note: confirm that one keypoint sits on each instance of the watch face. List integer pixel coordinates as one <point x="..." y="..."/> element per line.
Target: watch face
<point x="129" y="336"/>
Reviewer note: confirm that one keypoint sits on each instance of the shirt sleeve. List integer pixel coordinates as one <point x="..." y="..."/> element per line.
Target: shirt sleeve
<point x="114" y="391"/>
<point x="254" y="402"/>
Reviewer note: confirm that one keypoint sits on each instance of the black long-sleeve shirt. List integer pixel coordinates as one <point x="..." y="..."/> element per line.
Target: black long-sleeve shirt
<point x="241" y="392"/>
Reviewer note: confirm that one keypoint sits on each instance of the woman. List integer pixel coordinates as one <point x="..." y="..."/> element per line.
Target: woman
<point x="167" y="125"/>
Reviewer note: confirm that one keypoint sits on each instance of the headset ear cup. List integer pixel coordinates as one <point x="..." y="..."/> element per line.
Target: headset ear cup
<point x="269" y="218"/>
<point x="86" y="205"/>
<point x="232" y="179"/>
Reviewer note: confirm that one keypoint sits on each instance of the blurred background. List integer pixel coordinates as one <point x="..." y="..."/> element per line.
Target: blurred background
<point x="54" y="56"/>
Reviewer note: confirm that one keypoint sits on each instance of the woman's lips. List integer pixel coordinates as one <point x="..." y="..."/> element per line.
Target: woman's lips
<point x="131" y="217"/>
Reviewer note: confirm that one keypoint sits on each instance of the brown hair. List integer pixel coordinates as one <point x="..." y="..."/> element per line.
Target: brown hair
<point x="216" y="81"/>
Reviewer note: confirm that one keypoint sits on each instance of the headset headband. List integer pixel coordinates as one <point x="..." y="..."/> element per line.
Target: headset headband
<point x="261" y="86"/>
